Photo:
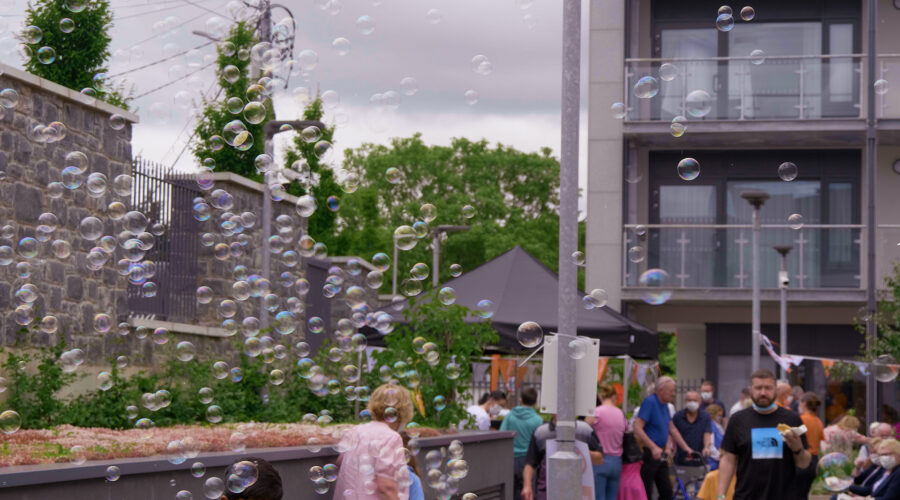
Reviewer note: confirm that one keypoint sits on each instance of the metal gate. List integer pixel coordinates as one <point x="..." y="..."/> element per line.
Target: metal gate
<point x="167" y="198"/>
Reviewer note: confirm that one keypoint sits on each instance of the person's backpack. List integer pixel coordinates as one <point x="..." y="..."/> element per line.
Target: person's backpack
<point x="631" y="451"/>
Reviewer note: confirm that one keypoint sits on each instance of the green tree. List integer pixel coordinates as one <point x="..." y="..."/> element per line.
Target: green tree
<point x="887" y="321"/>
<point x="426" y="370"/>
<point x="668" y="352"/>
<point x="80" y="55"/>
<point x="514" y="196"/>
<point x="235" y="84"/>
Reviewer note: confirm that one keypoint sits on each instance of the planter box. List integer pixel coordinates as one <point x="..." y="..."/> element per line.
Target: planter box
<point x="489" y="455"/>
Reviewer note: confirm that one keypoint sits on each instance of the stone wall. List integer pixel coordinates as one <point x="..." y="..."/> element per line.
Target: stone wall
<point x="68" y="289"/>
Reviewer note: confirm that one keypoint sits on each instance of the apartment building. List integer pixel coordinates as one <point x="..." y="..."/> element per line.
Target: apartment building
<point x="789" y="85"/>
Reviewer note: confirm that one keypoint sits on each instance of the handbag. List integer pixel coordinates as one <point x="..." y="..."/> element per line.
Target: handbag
<point x="631" y="451"/>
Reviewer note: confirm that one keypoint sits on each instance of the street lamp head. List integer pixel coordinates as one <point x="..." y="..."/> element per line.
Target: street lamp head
<point x="755" y="198"/>
<point x="783" y="249"/>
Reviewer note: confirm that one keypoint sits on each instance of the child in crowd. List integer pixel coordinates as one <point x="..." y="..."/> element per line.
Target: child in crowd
<point x="266" y="487"/>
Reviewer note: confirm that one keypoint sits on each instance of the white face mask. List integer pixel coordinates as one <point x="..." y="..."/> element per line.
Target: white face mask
<point x="692" y="406"/>
<point x="888" y="462"/>
<point x="495" y="410"/>
<point x="875" y="459"/>
<point x="789" y="400"/>
<point x="706" y="396"/>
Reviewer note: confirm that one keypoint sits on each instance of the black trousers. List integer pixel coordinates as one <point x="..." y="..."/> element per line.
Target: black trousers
<point x="518" y="467"/>
<point x="656" y="472"/>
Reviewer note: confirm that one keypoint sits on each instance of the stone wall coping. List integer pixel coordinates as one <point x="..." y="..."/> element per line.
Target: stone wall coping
<point x="343" y="259"/>
<point x="24" y="475"/>
<point x="188" y="328"/>
<point x="247" y="183"/>
<point x="65" y="92"/>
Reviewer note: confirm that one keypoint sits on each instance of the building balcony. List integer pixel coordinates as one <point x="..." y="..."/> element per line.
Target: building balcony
<point x="712" y="262"/>
<point x="782" y="101"/>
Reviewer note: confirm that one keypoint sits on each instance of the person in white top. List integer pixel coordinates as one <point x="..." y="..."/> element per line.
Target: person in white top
<point x="742" y="403"/>
<point x="490" y="404"/>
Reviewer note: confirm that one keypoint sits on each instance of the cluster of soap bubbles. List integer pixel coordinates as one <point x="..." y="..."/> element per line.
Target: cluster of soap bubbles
<point x="725" y="17"/>
<point x="444" y="468"/>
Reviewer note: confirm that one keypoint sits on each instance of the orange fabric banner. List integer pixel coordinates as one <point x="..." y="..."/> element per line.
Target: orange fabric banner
<point x="826" y="365"/>
<point x="602" y="367"/>
<point x="495" y="370"/>
<point x="520" y="375"/>
<point x="620" y="393"/>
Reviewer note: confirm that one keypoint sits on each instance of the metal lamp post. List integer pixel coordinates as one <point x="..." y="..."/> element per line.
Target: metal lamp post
<point x="436" y="248"/>
<point x="756" y="200"/>
<point x="783" y="281"/>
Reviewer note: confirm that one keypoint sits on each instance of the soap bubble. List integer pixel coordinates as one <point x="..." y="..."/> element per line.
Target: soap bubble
<point x="885" y="368"/>
<point x="32" y="34"/>
<point x="447" y="296"/>
<point x="747" y="13"/>
<point x="46" y="55"/>
<point x="455" y="270"/>
<point x="365" y="24"/>
<point x="725" y="22"/>
<point x="881" y="87"/>
<point x="668" y="72"/>
<point x="646" y="88"/>
<point x="636" y="254"/>
<point x="9" y="98"/>
<point x="214" y="414"/>
<point x="468" y="211"/>
<point x="113" y="473"/>
<point x="757" y="57"/>
<point x="618" y="110"/>
<point x="656" y="281"/>
<point x="688" y="169"/>
<point x="341" y="46"/>
<point x="677" y="126"/>
<point x="795" y="221"/>
<point x="198" y="469"/>
<point x="599" y="297"/>
<point x="698" y="103"/>
<point x="530" y="334"/>
<point x="578" y="258"/>
<point x="484" y="308"/>
<point x="306" y="205"/>
<point x="79" y="454"/>
<point x="787" y="171"/>
<point x="393" y="175"/>
<point x="405" y="237"/>
<point x="471" y="97"/>
<point x="213" y="488"/>
<point x="835" y="469"/>
<point x="10" y="422"/>
<point x="185" y="351"/>
<point x="482" y="65"/>
<point x="577" y="348"/>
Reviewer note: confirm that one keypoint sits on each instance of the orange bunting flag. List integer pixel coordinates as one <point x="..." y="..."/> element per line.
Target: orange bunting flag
<point x="520" y="375"/>
<point x="602" y="368"/>
<point x="620" y="393"/>
<point x="826" y="365"/>
<point x="420" y="404"/>
<point x="495" y="370"/>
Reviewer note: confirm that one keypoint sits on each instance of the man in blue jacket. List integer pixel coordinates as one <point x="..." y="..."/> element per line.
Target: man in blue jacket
<point x="524" y="420"/>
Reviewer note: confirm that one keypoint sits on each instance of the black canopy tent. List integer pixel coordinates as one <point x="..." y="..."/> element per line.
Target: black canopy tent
<point x="523" y="289"/>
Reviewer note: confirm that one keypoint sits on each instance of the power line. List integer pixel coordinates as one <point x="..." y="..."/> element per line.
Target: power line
<point x="161" y="33"/>
<point x="158" y="61"/>
<point x="157" y="11"/>
<point x="172" y="82"/>
<point x="209" y="10"/>
<point x="186" y="144"/>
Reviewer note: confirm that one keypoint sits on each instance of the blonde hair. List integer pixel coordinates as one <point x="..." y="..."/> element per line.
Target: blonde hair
<point x="391" y="396"/>
<point x="849" y="422"/>
<point x="874" y="443"/>
<point x="714" y="410"/>
<point x="892" y="445"/>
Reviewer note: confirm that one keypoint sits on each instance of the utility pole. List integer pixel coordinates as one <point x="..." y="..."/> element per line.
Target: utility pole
<point x="756" y="200"/>
<point x="871" y="144"/>
<point x="436" y="249"/>
<point x="566" y="464"/>
<point x="265" y="35"/>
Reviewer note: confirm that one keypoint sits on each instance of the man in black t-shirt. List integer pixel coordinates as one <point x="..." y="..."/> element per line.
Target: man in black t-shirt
<point x="766" y="460"/>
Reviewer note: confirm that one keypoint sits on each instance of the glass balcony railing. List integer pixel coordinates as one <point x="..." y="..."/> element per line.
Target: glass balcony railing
<point x="719" y="255"/>
<point x="753" y="87"/>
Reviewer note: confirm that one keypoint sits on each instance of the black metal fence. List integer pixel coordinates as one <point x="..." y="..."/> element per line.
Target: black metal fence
<point x="167" y="198"/>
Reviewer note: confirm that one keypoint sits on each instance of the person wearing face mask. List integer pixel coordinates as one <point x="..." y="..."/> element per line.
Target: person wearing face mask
<point x="708" y="395"/>
<point x="766" y="459"/>
<point x="489" y="405"/>
<point x="695" y="427"/>
<point x="888" y="487"/>
<point x="864" y="482"/>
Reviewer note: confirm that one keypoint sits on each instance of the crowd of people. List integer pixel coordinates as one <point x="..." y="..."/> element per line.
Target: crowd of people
<point x="766" y="447"/>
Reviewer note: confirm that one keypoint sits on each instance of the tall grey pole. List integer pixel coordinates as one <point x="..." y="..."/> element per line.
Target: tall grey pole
<point x="564" y="466"/>
<point x="871" y="144"/>
<point x="265" y="35"/>
<point x="783" y="281"/>
<point x="756" y="200"/>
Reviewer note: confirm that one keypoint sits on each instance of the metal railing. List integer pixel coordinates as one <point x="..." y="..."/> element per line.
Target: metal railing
<point x="167" y="198"/>
<point x="888" y="102"/>
<point x="718" y="255"/>
<point x="752" y="88"/>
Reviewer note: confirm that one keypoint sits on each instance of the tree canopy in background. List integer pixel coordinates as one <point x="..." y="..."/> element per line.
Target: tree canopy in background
<point x="71" y="59"/>
<point x="514" y="196"/>
<point x="234" y="82"/>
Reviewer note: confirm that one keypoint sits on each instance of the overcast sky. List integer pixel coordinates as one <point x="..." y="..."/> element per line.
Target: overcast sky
<point x="518" y="102"/>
